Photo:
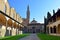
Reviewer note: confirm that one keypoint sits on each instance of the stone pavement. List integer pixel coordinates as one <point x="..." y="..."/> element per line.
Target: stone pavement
<point x="30" y="37"/>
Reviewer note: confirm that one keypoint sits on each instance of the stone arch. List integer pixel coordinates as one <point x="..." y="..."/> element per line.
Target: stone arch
<point x="9" y="25"/>
<point x="20" y="27"/>
<point x="17" y="25"/>
<point x="14" y="28"/>
<point x="58" y="28"/>
<point x="9" y="22"/>
<point x="17" y="28"/>
<point x="14" y="25"/>
<point x="2" y="20"/>
<point x="54" y="29"/>
<point x="2" y="25"/>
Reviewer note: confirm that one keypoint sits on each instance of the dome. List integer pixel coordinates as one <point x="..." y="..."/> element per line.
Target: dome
<point x="33" y="21"/>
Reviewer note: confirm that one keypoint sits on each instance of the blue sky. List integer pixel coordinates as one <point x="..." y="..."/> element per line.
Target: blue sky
<point x="38" y="8"/>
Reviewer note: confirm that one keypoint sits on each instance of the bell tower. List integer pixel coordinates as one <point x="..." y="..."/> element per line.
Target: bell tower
<point x="28" y="14"/>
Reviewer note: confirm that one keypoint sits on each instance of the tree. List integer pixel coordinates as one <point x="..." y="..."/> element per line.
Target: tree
<point x="53" y="12"/>
<point x="45" y="23"/>
<point x="48" y="17"/>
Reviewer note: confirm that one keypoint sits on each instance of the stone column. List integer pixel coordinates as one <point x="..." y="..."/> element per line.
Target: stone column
<point x="0" y="30"/>
<point x="20" y="30"/>
<point x="6" y="29"/>
<point x="0" y="33"/>
<point x="14" y="31"/>
<point x="49" y="30"/>
<point x="57" y="30"/>
<point x="11" y="29"/>
<point x="17" y="31"/>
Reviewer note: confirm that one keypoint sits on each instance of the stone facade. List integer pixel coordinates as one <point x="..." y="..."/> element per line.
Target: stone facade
<point x="10" y="21"/>
<point x="2" y="6"/>
<point x="53" y="26"/>
<point x="32" y="27"/>
<point x="35" y="27"/>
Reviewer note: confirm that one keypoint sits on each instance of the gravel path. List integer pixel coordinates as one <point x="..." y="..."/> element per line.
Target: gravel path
<point x="30" y="37"/>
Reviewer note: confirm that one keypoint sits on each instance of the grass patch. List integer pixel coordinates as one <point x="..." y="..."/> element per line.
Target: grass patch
<point x="48" y="37"/>
<point x="14" y="37"/>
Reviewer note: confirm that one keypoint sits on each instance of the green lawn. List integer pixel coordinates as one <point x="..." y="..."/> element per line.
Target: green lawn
<point x="14" y="37"/>
<point x="48" y="37"/>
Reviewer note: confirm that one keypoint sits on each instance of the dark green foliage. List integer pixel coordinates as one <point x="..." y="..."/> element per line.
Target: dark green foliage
<point x="53" y="12"/>
<point x="48" y="15"/>
<point x="45" y="23"/>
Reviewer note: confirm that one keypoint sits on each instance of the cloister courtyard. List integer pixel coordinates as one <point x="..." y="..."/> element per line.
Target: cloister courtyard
<point x="30" y="36"/>
<point x="14" y="27"/>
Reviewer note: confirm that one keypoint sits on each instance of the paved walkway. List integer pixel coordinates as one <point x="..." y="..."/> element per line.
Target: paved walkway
<point x="30" y="37"/>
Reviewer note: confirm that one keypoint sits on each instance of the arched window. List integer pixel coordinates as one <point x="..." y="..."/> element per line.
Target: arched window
<point x="5" y="8"/>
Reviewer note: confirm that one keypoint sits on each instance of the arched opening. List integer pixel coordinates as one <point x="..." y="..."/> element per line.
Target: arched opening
<point x="17" y="26"/>
<point x="17" y="29"/>
<point x="14" y="30"/>
<point x="54" y="29"/>
<point x="9" y="23"/>
<point x="21" y="28"/>
<point x="51" y="30"/>
<point x="33" y="29"/>
<point x="9" y="26"/>
<point x="2" y="25"/>
<point x="14" y="25"/>
<point x="2" y="20"/>
<point x="58" y="29"/>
